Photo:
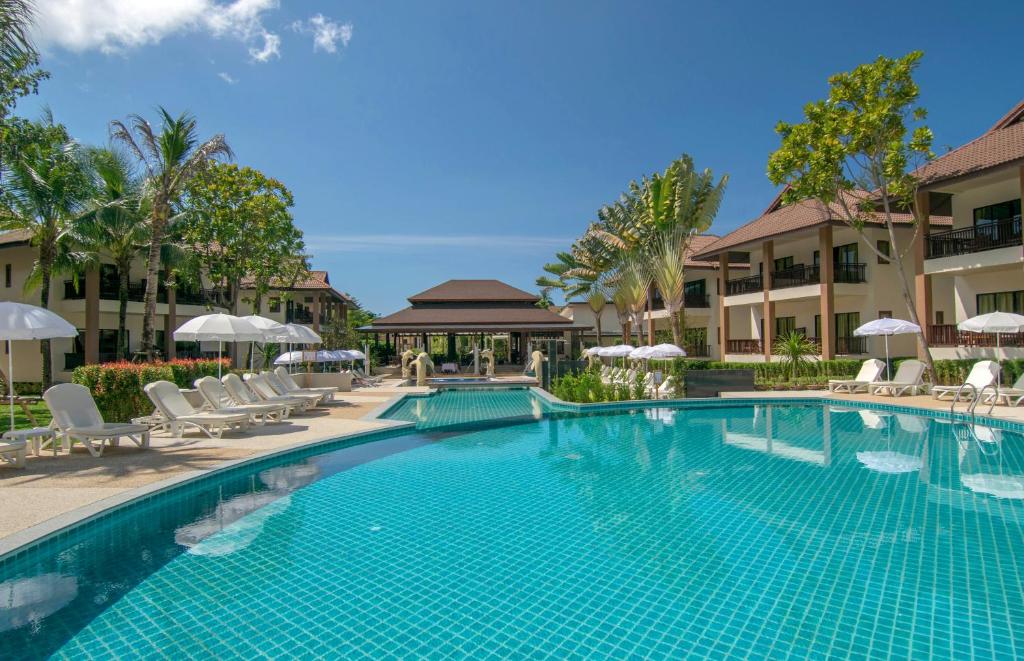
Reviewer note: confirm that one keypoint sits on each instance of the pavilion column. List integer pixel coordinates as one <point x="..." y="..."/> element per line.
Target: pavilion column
<point x="92" y="316"/>
<point x="923" y="281"/>
<point x="316" y="312"/>
<point x="650" y="316"/>
<point x="171" y="323"/>
<point x="827" y="339"/>
<point x="723" y="311"/>
<point x="524" y="347"/>
<point x="768" y="318"/>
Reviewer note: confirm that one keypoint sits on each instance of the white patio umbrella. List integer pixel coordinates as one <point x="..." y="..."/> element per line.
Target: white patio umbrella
<point x="616" y="351"/>
<point x="886" y="327"/>
<point x="20" y="321"/>
<point x="664" y="351"/>
<point x="592" y="351"/>
<point x="299" y="334"/>
<point x="994" y="322"/>
<point x="219" y="328"/>
<point x="273" y="331"/>
<point x="297" y="357"/>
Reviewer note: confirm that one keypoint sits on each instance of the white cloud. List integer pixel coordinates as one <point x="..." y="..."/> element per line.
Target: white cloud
<point x="227" y="78"/>
<point x="431" y="242"/>
<point x="117" y="26"/>
<point x="327" y="34"/>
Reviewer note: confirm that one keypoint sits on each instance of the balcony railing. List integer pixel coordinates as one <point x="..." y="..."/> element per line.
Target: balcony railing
<point x="948" y="335"/>
<point x="987" y="236"/>
<point x="137" y="291"/>
<point x="697" y="301"/>
<point x="299" y="317"/>
<point x="744" y="346"/>
<point x="853" y="272"/>
<point x="847" y="346"/>
<point x="747" y="285"/>
<point x="697" y="350"/>
<point x="795" y="276"/>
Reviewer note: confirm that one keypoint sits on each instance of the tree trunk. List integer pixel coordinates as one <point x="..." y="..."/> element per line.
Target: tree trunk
<point x="673" y="320"/>
<point x="597" y="323"/>
<point x="627" y="331"/>
<point x="123" y="275"/>
<point x="45" y="268"/>
<point x="159" y="226"/>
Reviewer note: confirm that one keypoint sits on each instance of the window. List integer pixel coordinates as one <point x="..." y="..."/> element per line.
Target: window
<point x="994" y="213"/>
<point x="817" y="325"/>
<point x="845" y="254"/>
<point x="940" y="317"/>
<point x="783" y="263"/>
<point x="696" y="287"/>
<point x="7" y="276"/>
<point x="816" y="259"/>
<point x="309" y="299"/>
<point x="1006" y="301"/>
<point x="846" y="322"/>
<point x="275" y="304"/>
<point x="784" y="326"/>
<point x="885" y="314"/>
<point x="885" y="248"/>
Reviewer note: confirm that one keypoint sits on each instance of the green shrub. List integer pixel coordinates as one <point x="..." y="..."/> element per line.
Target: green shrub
<point x="118" y="387"/>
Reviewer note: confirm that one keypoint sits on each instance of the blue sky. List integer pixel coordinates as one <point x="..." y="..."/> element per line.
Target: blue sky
<point x="467" y="139"/>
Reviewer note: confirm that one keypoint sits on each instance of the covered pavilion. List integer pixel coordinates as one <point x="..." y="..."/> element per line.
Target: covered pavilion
<point x="481" y="309"/>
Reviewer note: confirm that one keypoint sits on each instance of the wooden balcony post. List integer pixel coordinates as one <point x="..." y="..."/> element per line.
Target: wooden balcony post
<point x="92" y="316"/>
<point x="922" y="281"/>
<point x="768" y="259"/>
<point x="723" y="312"/>
<point x="316" y="312"/>
<point x="827" y="272"/>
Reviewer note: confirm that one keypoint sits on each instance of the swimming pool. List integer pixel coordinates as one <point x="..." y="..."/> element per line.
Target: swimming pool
<point x="727" y="530"/>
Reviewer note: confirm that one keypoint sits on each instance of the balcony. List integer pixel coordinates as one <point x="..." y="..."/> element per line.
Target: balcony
<point x="987" y="236"/>
<point x="298" y="316"/>
<point x="697" y="301"/>
<point x="748" y="285"/>
<point x="744" y="346"/>
<point x="137" y="291"/>
<point x="796" y="276"/>
<point x="948" y="335"/>
<point x="697" y="350"/>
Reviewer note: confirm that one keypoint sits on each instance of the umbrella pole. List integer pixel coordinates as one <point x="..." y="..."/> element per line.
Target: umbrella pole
<point x="999" y="373"/>
<point x="10" y="380"/>
<point x="888" y="370"/>
<point x="220" y="346"/>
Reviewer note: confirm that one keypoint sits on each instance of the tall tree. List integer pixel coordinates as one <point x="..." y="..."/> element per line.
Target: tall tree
<point x="854" y="152"/>
<point x="238" y="221"/>
<point x="171" y="157"/>
<point x="19" y="75"/>
<point x="114" y="224"/>
<point x="47" y="185"/>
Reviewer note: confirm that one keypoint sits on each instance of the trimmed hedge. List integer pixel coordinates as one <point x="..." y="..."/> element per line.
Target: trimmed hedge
<point x="117" y="387"/>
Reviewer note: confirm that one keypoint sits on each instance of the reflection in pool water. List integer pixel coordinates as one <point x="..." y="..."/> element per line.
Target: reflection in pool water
<point x="744" y="531"/>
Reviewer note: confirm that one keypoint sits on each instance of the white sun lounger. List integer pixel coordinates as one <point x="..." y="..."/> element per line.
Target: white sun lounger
<point x="908" y="378"/>
<point x="242" y="393"/>
<point x="870" y="371"/>
<point x="76" y="418"/>
<point x="181" y="414"/>
<point x="1011" y="395"/>
<point x="290" y="386"/>
<point x="983" y="375"/>
<point x="262" y="386"/>
<point x="218" y="398"/>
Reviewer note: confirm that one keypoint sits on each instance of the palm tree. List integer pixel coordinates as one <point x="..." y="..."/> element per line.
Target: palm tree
<point x="114" y="225"/>
<point x="15" y="44"/>
<point x="794" y="350"/>
<point x="170" y="157"/>
<point x="669" y="272"/>
<point x="45" y="188"/>
<point x="597" y="299"/>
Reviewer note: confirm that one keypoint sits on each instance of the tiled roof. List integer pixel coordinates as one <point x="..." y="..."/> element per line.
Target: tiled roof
<point x="791" y="218"/>
<point x="313" y="281"/>
<point x="15" y="236"/>
<point x="496" y="317"/>
<point x="1002" y="144"/>
<point x="473" y="291"/>
<point x="697" y="245"/>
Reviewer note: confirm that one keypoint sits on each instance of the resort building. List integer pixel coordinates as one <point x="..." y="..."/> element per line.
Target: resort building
<point x="485" y="313"/>
<point x="311" y="300"/>
<point x="977" y="265"/>
<point x="91" y="305"/>
<point x="811" y="273"/>
<point x="580" y="313"/>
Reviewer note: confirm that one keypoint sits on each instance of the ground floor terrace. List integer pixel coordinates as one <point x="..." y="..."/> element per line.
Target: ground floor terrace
<point x="462" y="346"/>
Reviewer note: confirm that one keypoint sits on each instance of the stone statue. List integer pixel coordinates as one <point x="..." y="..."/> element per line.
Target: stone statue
<point x="488" y="355"/>
<point x="407" y="357"/>
<point x="424" y="367"/>
<point x="591" y="360"/>
<point x="537" y="365"/>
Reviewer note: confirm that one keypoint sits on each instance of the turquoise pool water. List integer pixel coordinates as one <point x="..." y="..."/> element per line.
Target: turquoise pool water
<point x="724" y="532"/>
<point x="465" y="405"/>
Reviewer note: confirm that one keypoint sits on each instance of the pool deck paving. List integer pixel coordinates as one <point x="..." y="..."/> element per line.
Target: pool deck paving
<point x="53" y="491"/>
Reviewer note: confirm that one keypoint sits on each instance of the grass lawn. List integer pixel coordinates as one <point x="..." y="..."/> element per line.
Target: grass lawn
<point x="21" y="421"/>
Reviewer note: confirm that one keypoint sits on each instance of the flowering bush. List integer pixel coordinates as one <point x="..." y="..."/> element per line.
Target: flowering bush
<point x="118" y="387"/>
